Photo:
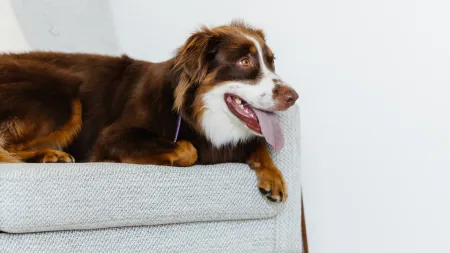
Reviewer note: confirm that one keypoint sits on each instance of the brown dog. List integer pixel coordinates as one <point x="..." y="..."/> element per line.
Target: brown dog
<point x="115" y="109"/>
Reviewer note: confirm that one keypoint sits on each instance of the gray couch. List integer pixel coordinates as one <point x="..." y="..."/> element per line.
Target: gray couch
<point x="141" y="208"/>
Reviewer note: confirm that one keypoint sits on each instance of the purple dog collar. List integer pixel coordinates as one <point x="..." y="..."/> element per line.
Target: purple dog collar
<point x="178" y="128"/>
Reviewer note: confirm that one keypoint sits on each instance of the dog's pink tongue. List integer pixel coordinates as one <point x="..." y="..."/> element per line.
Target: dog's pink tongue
<point x="270" y="128"/>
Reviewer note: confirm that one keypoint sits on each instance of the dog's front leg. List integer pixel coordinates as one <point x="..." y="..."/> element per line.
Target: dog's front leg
<point x="270" y="180"/>
<point x="140" y="146"/>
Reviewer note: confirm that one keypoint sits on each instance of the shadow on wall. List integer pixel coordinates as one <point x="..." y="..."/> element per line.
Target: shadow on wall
<point x="12" y="37"/>
<point x="68" y="26"/>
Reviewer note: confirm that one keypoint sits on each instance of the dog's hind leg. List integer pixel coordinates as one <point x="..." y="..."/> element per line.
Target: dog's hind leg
<point x="40" y="110"/>
<point x="35" y="129"/>
<point x="56" y="139"/>
<point x="38" y="140"/>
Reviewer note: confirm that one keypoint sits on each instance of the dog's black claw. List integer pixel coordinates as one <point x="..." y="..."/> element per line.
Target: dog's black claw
<point x="263" y="191"/>
<point x="271" y="199"/>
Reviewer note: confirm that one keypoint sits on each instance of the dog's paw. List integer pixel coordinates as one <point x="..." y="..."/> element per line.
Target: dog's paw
<point x="184" y="155"/>
<point x="271" y="184"/>
<point x="55" y="156"/>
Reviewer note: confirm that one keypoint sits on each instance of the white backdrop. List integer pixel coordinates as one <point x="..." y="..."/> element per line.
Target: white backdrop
<point x="374" y="82"/>
<point x="11" y="38"/>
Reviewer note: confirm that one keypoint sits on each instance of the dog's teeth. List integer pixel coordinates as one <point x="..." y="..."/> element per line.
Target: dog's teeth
<point x="246" y="111"/>
<point x="238" y="101"/>
<point x="242" y="106"/>
<point x="252" y="116"/>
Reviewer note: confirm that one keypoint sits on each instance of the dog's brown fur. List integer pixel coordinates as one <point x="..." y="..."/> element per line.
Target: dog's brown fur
<point x="117" y="109"/>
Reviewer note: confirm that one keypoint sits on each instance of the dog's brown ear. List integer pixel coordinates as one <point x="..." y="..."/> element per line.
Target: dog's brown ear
<point x="192" y="61"/>
<point x="192" y="58"/>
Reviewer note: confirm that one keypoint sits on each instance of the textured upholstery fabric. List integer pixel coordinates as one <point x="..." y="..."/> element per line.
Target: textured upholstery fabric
<point x="227" y="237"/>
<point x="199" y="209"/>
<point x="62" y="197"/>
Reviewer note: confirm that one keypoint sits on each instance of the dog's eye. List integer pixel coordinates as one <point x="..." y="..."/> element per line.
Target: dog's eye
<point x="244" y="62"/>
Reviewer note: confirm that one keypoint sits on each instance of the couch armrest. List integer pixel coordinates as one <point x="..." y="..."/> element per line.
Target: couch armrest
<point x="43" y="197"/>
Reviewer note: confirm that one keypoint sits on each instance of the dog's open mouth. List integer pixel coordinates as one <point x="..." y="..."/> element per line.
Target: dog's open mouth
<point x="262" y="122"/>
<point x="244" y="111"/>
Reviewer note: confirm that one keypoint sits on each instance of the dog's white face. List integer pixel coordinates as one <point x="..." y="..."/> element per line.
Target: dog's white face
<point x="240" y="89"/>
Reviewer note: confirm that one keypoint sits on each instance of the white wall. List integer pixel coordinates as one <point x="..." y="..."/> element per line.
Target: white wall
<point x="67" y="25"/>
<point x="374" y="77"/>
<point x="12" y="38"/>
<point x="374" y="83"/>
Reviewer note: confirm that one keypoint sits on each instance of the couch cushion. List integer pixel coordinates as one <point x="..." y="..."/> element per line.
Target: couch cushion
<point x="43" y="197"/>
<point x="245" y="236"/>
